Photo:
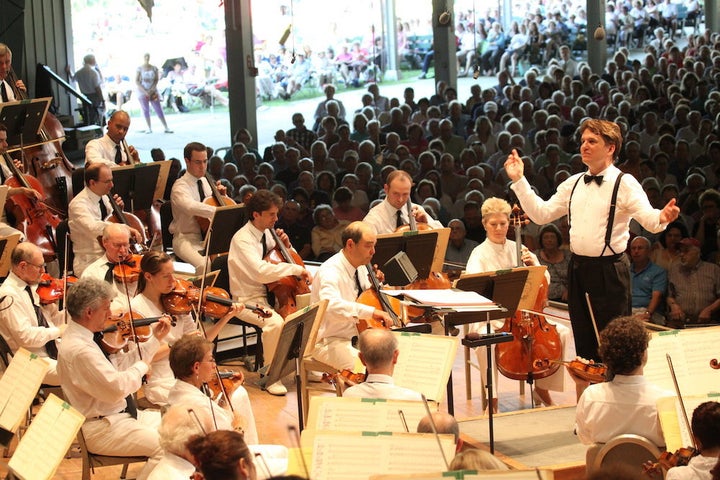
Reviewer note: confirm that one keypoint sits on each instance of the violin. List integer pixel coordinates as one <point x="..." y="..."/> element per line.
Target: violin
<point x="51" y="289"/>
<point x="586" y="370"/>
<point x="225" y="382"/>
<point x="347" y="376"/>
<point x="121" y="330"/>
<point x="287" y="288"/>
<point x="667" y="460"/>
<point x="216" y="301"/>
<point x="714" y="364"/>
<point x="128" y="271"/>
<point x="216" y="199"/>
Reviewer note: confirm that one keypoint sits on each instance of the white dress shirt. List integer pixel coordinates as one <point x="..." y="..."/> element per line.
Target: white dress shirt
<point x="172" y="467"/>
<point x="698" y="469"/>
<point x="19" y="323"/>
<point x="384" y="217"/>
<point x="85" y="227"/>
<point x="590" y="209"/>
<point x="97" y="270"/>
<point x="248" y="271"/>
<point x="186" y="205"/>
<point x="183" y="393"/>
<point x="381" y="386"/>
<point x="627" y="404"/>
<point x="162" y="379"/>
<point x="8" y="90"/>
<point x="102" y="150"/>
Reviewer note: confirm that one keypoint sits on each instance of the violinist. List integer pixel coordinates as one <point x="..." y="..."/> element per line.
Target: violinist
<point x="627" y="403"/>
<point x="192" y="362"/>
<point x="340" y="280"/>
<point x="186" y="198"/>
<point x="109" y="149"/>
<point x="498" y="253"/>
<point x="7" y="91"/>
<point x="116" y="242"/>
<point x="24" y="322"/>
<point x="156" y="279"/>
<point x="705" y="427"/>
<point x="98" y="388"/>
<point x="249" y="270"/>
<point x="87" y="213"/>
<point x="392" y="212"/>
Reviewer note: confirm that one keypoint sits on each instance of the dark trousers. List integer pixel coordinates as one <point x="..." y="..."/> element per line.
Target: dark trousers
<point x="607" y="281"/>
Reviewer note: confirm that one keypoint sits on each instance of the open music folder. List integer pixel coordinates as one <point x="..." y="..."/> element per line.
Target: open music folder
<point x="18" y="387"/>
<point x="674" y="428"/>
<point x="46" y="441"/>
<point x="425" y="363"/>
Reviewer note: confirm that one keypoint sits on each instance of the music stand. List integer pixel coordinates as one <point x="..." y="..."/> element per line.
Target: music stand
<point x="415" y="245"/>
<point x="293" y="346"/>
<point x="225" y="223"/>
<point x="137" y="185"/>
<point x="7" y="245"/>
<point x="24" y="120"/>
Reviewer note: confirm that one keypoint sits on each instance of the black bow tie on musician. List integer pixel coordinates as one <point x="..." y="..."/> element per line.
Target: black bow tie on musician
<point x="593" y="178"/>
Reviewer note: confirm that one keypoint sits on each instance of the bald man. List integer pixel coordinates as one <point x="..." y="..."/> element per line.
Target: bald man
<point x="108" y="149"/>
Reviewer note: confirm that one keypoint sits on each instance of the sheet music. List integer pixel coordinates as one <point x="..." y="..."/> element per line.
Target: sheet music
<point x="46" y="441"/>
<point x="691" y="351"/>
<point x="18" y="387"/>
<point x="675" y="431"/>
<point x="451" y="297"/>
<point x="425" y="363"/>
<point x="357" y="455"/>
<point x="358" y="414"/>
<point x="472" y="475"/>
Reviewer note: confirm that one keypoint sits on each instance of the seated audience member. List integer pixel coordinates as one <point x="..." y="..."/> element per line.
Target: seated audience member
<point x="459" y="247"/>
<point x="666" y="251"/>
<point x="179" y="424"/>
<point x="327" y="233"/>
<point x="379" y="353"/>
<point x="649" y="282"/>
<point x="693" y="288"/>
<point x="555" y="259"/>
<point x="626" y="403"/>
<point x="222" y="455"/>
<point x="299" y="234"/>
<point x="24" y="322"/>
<point x="705" y="427"/>
<point x="193" y="364"/>
<point x="474" y="459"/>
<point x="344" y="209"/>
<point x="97" y="388"/>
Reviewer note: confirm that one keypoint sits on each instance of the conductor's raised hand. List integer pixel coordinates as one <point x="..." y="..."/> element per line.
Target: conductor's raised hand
<point x="514" y="166"/>
<point x="669" y="212"/>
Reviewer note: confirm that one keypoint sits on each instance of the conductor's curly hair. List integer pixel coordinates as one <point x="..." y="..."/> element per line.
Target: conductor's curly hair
<point x="623" y="343"/>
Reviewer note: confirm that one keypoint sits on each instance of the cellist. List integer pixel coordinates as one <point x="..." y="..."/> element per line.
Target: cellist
<point x="109" y="148"/>
<point x="340" y="280"/>
<point x="250" y="272"/>
<point x="7" y="93"/>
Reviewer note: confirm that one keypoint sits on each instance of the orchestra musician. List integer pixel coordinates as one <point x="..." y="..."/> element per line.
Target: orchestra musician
<point x="24" y="322"/>
<point x="156" y="279"/>
<point x="97" y="388"/>
<point x="87" y="213"/>
<point x="340" y="280"/>
<point x="250" y="272"/>
<point x="109" y="148"/>
<point x="186" y="199"/>
<point x="7" y="91"/>
<point x="116" y="242"/>
<point x="392" y="212"/>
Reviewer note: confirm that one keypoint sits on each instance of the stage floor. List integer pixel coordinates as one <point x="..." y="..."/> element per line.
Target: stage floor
<point x="541" y="437"/>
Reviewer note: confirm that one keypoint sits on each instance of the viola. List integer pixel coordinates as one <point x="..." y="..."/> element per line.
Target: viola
<point x="715" y="364"/>
<point x="667" y="460"/>
<point x="586" y="370"/>
<point x="51" y="289"/>
<point x="121" y="330"/>
<point x="216" y="199"/>
<point x="287" y="288"/>
<point x="225" y="382"/>
<point x="216" y="301"/>
<point x="128" y="271"/>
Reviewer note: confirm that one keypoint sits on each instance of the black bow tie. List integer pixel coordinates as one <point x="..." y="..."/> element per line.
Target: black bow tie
<point x="593" y="178"/>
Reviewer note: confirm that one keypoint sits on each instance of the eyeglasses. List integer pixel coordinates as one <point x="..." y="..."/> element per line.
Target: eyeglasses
<point x="41" y="266"/>
<point x="212" y="360"/>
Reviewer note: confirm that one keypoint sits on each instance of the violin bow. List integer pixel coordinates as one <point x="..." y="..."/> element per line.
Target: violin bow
<point x="592" y="317"/>
<point x="434" y="430"/>
<point x="132" y="323"/>
<point x="65" y="275"/>
<point x="680" y="399"/>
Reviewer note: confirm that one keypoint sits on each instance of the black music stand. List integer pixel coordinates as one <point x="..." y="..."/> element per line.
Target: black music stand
<point x="136" y="185"/>
<point x="23" y="121"/>
<point x="291" y="348"/>
<point x="418" y="247"/>
<point x="225" y="223"/>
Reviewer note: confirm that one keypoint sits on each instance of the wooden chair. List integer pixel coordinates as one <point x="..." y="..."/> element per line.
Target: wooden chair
<point x="91" y="460"/>
<point x="628" y="449"/>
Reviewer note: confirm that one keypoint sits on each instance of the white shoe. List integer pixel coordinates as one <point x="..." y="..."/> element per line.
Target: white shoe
<point x="277" y="389"/>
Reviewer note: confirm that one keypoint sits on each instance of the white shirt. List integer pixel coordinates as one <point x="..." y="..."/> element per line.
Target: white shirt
<point x="489" y="256"/>
<point x="103" y="150"/>
<point x="698" y="469"/>
<point x="172" y="467"/>
<point x="590" y="208"/>
<point x="381" y="386"/>
<point x="384" y="217"/>
<point x="248" y="271"/>
<point x="183" y="393"/>
<point x="90" y="381"/>
<point x="627" y="404"/>
<point x="9" y="91"/>
<point x="97" y="270"/>
<point x="335" y="281"/>
<point x="85" y="227"/>
<point x="162" y="379"/>
<point x="18" y="322"/>
<point x="186" y="204"/>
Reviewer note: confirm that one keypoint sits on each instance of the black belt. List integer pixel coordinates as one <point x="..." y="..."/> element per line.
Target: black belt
<point x="604" y="259"/>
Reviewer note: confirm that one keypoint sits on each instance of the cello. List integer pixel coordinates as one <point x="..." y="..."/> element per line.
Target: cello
<point x="536" y="343"/>
<point x="287" y="288"/>
<point x="216" y="199"/>
<point x="46" y="161"/>
<point x="374" y="297"/>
